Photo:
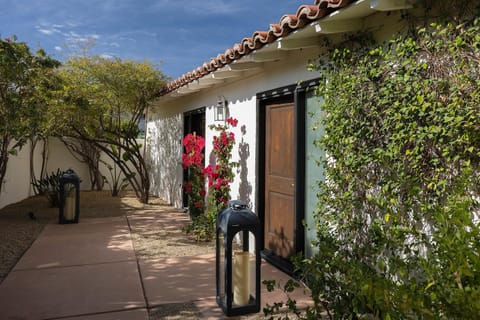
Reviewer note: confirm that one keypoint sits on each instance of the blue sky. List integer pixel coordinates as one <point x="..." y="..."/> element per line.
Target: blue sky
<point x="177" y="35"/>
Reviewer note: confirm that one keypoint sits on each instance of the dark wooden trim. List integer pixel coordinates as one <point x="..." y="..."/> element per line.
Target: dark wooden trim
<point x="187" y="128"/>
<point x="297" y="94"/>
<point x="278" y="93"/>
<point x="299" y="172"/>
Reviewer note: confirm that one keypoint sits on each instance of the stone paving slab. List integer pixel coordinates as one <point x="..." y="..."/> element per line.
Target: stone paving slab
<point x="89" y="271"/>
<point x="139" y="314"/>
<point x="209" y="309"/>
<point x="69" y="291"/>
<point x="192" y="279"/>
<point x="89" y="242"/>
<point x="90" y="225"/>
<point x="179" y="279"/>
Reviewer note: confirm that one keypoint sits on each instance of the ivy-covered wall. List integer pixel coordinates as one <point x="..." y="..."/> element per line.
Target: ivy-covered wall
<point x="397" y="218"/>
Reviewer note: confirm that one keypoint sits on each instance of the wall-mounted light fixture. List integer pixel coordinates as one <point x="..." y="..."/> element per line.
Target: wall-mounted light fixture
<point x="221" y="109"/>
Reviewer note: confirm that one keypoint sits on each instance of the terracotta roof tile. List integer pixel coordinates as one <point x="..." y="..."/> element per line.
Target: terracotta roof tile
<point x="287" y="24"/>
<point x="332" y="3"/>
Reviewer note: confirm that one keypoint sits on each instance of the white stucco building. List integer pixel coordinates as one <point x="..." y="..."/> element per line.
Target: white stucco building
<point x="268" y="88"/>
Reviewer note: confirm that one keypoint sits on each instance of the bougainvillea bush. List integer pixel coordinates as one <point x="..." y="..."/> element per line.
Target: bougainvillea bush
<point x="194" y="185"/>
<point x="220" y="174"/>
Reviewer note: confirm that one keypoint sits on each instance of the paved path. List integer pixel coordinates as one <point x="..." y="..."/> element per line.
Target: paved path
<point x="89" y="271"/>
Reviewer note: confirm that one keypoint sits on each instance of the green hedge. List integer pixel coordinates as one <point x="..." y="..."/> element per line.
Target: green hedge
<point x="397" y="220"/>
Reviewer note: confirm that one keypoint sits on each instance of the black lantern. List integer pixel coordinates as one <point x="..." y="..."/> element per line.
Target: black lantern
<point x="238" y="260"/>
<point x="69" y="197"/>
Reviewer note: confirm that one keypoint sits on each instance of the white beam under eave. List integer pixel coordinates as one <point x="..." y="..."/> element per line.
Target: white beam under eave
<point x="267" y="55"/>
<point x="225" y="73"/>
<point x="295" y="44"/>
<point x="186" y="90"/>
<point x="199" y="85"/>
<point x="248" y="65"/>
<point x="338" y="26"/>
<point x="209" y="80"/>
<point x="390" y="5"/>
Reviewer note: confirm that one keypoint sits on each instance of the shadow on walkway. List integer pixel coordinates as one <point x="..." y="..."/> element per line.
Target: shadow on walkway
<point x="91" y="270"/>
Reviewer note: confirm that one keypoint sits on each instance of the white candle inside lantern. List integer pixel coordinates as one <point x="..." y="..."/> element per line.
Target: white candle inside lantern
<point x="241" y="286"/>
<point x="69" y="208"/>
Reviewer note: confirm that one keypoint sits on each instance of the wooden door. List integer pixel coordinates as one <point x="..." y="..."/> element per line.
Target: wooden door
<point x="280" y="179"/>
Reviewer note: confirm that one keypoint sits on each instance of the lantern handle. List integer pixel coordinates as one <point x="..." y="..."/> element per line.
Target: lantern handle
<point x="238" y="205"/>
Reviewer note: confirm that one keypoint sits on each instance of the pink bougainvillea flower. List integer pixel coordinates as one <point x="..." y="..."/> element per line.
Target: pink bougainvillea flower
<point x="186" y="161"/>
<point x="193" y="161"/>
<point x="232" y="121"/>
<point x="187" y="186"/>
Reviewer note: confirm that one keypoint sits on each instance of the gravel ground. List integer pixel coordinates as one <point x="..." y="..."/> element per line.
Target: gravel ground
<point x="22" y="222"/>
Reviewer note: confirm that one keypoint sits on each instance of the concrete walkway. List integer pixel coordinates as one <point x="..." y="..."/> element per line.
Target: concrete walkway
<point x="89" y="271"/>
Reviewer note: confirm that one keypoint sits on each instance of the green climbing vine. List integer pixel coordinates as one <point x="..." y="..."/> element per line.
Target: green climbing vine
<point x="398" y="219"/>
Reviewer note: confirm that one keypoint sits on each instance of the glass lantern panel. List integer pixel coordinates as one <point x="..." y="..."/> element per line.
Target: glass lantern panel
<point x="243" y="269"/>
<point x="221" y="268"/>
<point x="220" y="113"/>
<point x="70" y="202"/>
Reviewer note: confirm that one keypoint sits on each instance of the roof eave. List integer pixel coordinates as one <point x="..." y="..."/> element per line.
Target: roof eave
<point x="294" y="32"/>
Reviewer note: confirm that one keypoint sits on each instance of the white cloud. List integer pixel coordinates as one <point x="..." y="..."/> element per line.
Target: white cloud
<point x="45" y="31"/>
<point x="107" y="56"/>
<point x="49" y="30"/>
<point x="205" y="7"/>
<point x="58" y="48"/>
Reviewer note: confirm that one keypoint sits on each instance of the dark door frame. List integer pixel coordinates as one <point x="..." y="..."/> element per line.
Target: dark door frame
<point x="297" y="95"/>
<point x="192" y="120"/>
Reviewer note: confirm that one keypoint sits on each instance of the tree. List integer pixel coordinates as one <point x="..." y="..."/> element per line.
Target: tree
<point x="25" y="79"/>
<point x="104" y="101"/>
<point x="89" y="154"/>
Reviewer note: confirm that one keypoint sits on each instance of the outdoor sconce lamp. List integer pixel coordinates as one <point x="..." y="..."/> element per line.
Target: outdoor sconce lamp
<point x="69" y="197"/>
<point x="221" y="109"/>
<point x="238" y="260"/>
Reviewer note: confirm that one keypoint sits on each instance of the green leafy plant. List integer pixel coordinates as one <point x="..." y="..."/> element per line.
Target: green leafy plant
<point x="397" y="219"/>
<point x="219" y="177"/>
<point x="194" y="187"/>
<point x="26" y="82"/>
<point x="221" y="174"/>
<point x="282" y="310"/>
<point x="49" y="186"/>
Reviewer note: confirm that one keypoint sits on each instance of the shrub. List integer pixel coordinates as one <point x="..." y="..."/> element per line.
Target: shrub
<point x="49" y="186"/>
<point x="397" y="219"/>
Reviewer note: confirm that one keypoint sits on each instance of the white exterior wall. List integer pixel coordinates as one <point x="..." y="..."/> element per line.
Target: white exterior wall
<point x="16" y="184"/>
<point x="163" y="153"/>
<point x="60" y="158"/>
<point x="165" y="127"/>
<point x="17" y="179"/>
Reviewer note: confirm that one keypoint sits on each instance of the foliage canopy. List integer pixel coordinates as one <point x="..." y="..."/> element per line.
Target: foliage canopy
<point x="26" y="80"/>
<point x="398" y="232"/>
<point x="103" y="102"/>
